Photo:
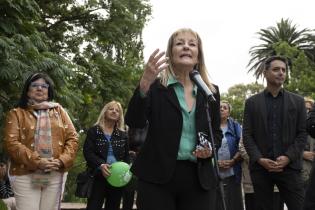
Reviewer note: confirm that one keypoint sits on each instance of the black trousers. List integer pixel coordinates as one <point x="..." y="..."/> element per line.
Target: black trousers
<point x="289" y="183"/>
<point x="101" y="190"/>
<point x="309" y="203"/>
<point x="129" y="194"/>
<point x="183" y="192"/>
<point x="250" y="203"/>
<point x="232" y="195"/>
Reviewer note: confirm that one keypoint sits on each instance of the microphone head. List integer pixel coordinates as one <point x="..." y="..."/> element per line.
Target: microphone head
<point x="193" y="73"/>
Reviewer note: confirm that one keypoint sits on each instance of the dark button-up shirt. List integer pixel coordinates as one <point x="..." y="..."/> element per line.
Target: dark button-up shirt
<point x="274" y="107"/>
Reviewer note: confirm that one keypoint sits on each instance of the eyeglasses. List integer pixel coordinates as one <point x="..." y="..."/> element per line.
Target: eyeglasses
<point x="37" y="85"/>
<point x="224" y="107"/>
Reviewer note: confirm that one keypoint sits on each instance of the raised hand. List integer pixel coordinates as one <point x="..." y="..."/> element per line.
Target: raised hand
<point x="154" y="66"/>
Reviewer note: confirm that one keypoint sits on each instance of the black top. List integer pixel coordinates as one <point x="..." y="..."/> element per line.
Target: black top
<point x="274" y="120"/>
<point x="5" y="189"/>
<point x="293" y="128"/>
<point x="310" y="123"/>
<point x="95" y="147"/>
<point x="161" y="109"/>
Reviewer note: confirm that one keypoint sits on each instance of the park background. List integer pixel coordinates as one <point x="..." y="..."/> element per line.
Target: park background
<point x="95" y="50"/>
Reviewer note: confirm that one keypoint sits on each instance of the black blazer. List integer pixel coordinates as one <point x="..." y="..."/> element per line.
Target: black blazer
<point x="293" y="134"/>
<point x="157" y="158"/>
<point x="310" y="122"/>
<point x="96" y="147"/>
<point x="309" y="202"/>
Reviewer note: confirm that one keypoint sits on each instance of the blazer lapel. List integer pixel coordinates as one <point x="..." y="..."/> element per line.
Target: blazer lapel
<point x="199" y="102"/>
<point x="171" y="95"/>
<point x="263" y="108"/>
<point x="286" y="104"/>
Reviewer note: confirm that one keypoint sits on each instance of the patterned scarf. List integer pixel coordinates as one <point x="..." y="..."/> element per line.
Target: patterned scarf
<point x="42" y="138"/>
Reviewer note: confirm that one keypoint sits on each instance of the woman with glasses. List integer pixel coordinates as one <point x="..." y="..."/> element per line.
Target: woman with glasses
<point x="42" y="143"/>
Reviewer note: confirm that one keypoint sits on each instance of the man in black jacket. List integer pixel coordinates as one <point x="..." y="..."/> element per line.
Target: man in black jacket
<point x="309" y="203"/>
<point x="274" y="137"/>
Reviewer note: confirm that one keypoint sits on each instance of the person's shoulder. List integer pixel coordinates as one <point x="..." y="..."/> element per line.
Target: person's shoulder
<point x="233" y="122"/>
<point x="157" y="82"/>
<point x="94" y="129"/>
<point x="15" y="111"/>
<point x="255" y="96"/>
<point x="122" y="132"/>
<point x="215" y="86"/>
<point x="294" y="95"/>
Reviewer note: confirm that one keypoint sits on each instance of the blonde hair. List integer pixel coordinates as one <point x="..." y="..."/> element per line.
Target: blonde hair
<point x="201" y="67"/>
<point x="309" y="100"/>
<point x="120" y="124"/>
<point x="227" y="103"/>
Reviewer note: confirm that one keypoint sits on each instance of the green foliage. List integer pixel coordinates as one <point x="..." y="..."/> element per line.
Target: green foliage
<point x="93" y="50"/>
<point x="237" y="95"/>
<point x="3" y="206"/>
<point x="277" y="38"/>
<point x="78" y="167"/>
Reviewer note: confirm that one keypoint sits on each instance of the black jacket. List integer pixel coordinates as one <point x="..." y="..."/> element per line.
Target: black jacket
<point x="309" y="202"/>
<point x="310" y="122"/>
<point x="255" y="128"/>
<point x="161" y="109"/>
<point x="96" y="147"/>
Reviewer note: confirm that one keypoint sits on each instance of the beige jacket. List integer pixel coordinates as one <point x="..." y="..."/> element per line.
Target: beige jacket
<point x="19" y="133"/>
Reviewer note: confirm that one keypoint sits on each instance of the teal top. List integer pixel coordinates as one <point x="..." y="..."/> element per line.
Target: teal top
<point x="188" y="136"/>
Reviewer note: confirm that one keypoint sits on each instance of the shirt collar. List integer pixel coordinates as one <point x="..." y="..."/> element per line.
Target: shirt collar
<point x="268" y="93"/>
<point x="173" y="81"/>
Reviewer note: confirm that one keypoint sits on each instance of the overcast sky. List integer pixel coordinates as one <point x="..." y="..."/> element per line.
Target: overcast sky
<point x="227" y="28"/>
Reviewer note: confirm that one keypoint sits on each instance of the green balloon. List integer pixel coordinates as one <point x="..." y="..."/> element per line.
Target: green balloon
<point x="120" y="174"/>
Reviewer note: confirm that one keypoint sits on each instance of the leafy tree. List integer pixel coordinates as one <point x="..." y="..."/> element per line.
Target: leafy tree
<point x="92" y="49"/>
<point x="275" y="36"/>
<point x="301" y="75"/>
<point x="236" y="96"/>
<point x="23" y="51"/>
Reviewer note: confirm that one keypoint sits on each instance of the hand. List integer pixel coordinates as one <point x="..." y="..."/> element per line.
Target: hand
<point x="226" y="164"/>
<point x="47" y="165"/>
<point x="153" y="67"/>
<point x="132" y="155"/>
<point x="307" y="155"/>
<point x="58" y="164"/>
<point x="269" y="165"/>
<point x="105" y="170"/>
<point x="282" y="161"/>
<point x="132" y="152"/>
<point x="202" y="153"/>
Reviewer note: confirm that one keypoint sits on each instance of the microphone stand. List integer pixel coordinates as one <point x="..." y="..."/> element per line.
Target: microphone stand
<point x="215" y="156"/>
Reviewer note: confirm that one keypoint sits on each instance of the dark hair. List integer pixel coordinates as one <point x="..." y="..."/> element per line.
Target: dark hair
<point x="273" y="58"/>
<point x="24" y="98"/>
<point x="3" y="158"/>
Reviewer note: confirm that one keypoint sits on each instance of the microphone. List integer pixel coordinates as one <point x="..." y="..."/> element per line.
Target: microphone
<point x="196" y="78"/>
